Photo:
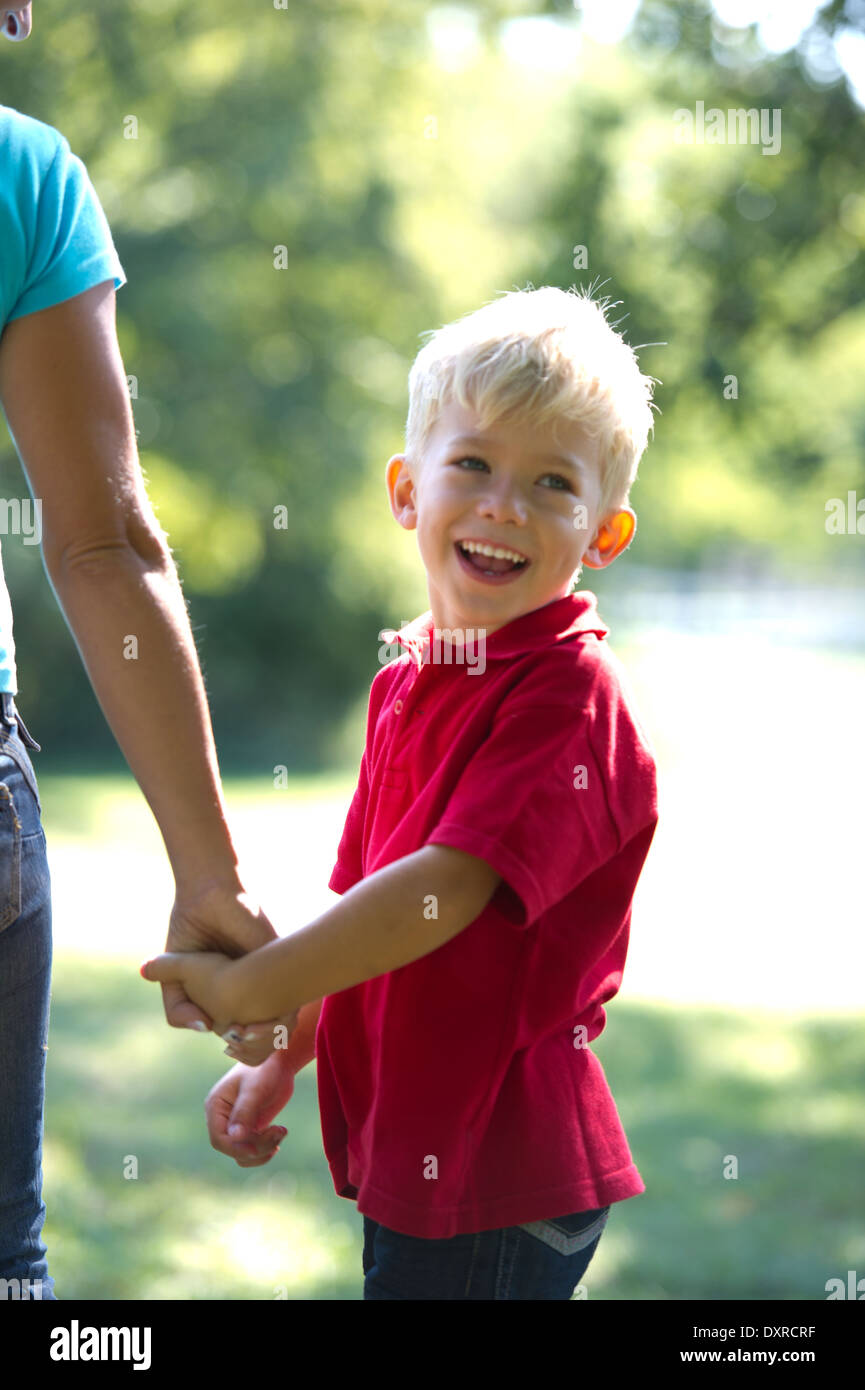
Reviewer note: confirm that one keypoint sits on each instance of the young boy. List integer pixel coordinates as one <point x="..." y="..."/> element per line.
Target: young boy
<point x="505" y="806"/>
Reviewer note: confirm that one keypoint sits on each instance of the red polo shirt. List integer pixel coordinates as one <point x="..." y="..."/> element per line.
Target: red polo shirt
<point x="457" y="1093"/>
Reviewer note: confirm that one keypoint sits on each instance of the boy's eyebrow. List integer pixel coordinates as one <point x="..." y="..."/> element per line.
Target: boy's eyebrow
<point x="481" y="441"/>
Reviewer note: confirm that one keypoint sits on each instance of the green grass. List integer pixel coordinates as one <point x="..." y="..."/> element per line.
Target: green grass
<point x="782" y="1095"/>
<point x="192" y="1224"/>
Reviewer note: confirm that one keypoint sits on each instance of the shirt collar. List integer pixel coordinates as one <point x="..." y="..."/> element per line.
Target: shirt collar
<point x="555" y="622"/>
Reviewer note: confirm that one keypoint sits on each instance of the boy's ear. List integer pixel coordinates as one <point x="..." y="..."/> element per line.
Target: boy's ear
<point x="612" y="537"/>
<point x="400" y="489"/>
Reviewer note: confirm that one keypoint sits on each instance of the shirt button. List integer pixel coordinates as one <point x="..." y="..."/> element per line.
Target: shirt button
<point x="397" y="706"/>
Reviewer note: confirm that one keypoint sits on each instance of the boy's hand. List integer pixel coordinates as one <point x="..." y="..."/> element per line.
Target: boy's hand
<point x="247" y="1101"/>
<point x="204" y="975"/>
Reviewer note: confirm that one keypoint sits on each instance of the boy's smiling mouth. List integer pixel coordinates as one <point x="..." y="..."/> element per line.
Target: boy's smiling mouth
<point x="489" y="563"/>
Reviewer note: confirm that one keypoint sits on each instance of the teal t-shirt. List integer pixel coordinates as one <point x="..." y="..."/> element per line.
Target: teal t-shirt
<point x="55" y="242"/>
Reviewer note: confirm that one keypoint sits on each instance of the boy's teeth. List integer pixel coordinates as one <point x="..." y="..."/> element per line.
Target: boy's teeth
<point x="500" y="553"/>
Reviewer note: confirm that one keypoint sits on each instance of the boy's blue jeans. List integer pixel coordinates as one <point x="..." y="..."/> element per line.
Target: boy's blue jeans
<point x="541" y="1260"/>
<point x="25" y="984"/>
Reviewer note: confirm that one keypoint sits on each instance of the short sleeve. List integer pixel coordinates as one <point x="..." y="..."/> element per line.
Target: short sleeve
<point x="72" y="248"/>
<point x="535" y="802"/>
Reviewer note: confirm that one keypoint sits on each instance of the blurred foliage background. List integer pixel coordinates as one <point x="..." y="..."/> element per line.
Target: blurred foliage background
<point x="414" y="161"/>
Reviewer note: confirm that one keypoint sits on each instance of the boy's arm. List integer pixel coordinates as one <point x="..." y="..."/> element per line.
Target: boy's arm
<point x="380" y="924"/>
<point x="388" y="920"/>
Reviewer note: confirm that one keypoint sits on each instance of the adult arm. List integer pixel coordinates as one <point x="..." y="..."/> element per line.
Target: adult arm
<point x="64" y="393"/>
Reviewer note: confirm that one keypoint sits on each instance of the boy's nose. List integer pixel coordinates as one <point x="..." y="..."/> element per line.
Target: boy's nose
<point x="503" y="504"/>
<point x="17" y="23"/>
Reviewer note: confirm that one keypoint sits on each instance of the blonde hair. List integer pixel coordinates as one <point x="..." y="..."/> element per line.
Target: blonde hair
<point x="538" y="356"/>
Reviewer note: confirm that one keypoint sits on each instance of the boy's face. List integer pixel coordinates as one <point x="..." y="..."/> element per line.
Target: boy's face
<point x="513" y="487"/>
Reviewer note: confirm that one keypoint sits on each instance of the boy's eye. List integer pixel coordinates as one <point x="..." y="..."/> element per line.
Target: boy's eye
<point x="470" y="458"/>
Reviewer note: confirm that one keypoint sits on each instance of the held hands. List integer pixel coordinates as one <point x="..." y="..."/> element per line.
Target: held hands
<point x="206" y="979"/>
<point x="220" y="924"/>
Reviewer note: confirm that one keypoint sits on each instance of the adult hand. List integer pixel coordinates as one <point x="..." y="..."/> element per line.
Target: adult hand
<point x="225" y="919"/>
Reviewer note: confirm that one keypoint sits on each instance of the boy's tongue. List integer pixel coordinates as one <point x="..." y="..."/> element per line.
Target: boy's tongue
<point x="490" y="562"/>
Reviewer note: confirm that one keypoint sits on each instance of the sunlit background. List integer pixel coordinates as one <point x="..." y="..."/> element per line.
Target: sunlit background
<point x="414" y="161"/>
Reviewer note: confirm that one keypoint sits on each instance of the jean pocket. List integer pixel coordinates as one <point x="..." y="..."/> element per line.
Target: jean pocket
<point x="568" y="1234"/>
<point x="10" y="859"/>
<point x="12" y="747"/>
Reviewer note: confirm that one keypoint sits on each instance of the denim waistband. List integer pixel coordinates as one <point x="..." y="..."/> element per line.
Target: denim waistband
<point x="12" y="719"/>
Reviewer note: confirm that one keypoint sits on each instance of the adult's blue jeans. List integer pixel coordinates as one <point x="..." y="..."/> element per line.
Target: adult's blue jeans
<point x="25" y="984"/>
<point x="539" y="1260"/>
